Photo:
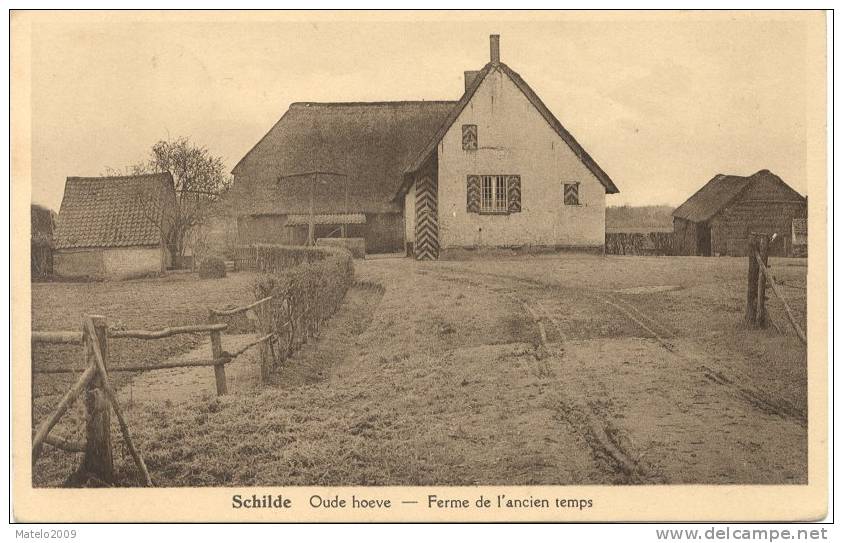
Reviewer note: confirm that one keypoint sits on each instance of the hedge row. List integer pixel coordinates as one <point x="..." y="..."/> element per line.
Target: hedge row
<point x="307" y="284"/>
<point x="212" y="267"/>
<point x="650" y="243"/>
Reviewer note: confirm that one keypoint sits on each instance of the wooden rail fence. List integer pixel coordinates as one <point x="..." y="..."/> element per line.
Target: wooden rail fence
<point x="245" y="257"/>
<point x="101" y="399"/>
<point x="758" y="277"/>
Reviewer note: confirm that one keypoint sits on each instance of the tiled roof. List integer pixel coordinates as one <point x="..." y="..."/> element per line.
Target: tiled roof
<point x="113" y="211"/>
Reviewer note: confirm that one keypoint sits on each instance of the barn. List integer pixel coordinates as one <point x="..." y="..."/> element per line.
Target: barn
<point x="492" y="169"/>
<point x="113" y="227"/>
<point x="718" y="218"/>
<point x="335" y="164"/>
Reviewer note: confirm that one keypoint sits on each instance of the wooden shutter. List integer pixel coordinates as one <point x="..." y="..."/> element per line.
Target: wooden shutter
<point x="469" y="137"/>
<point x="513" y="193"/>
<point x="572" y="194"/>
<point x="473" y="194"/>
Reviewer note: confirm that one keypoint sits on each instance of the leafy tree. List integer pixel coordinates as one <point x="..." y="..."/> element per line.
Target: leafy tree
<point x="200" y="181"/>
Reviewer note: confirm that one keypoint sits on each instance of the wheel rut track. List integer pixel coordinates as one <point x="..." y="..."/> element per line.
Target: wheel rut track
<point x="605" y="441"/>
<point x="736" y="381"/>
<point x="598" y="433"/>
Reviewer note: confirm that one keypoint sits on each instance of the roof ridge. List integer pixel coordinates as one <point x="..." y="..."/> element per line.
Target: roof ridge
<point x="420" y="157"/>
<point x="539" y="106"/>
<point x="106" y="212"/>
<point x="107" y="177"/>
<point x="386" y="103"/>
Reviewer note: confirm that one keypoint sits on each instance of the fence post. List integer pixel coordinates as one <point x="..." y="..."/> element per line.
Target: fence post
<point x="98" y="461"/>
<point x="752" y="281"/>
<point x="264" y="327"/>
<point x="761" y="295"/>
<point x="216" y="354"/>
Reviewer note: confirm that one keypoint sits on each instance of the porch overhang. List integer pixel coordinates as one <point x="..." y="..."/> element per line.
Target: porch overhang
<point x="331" y="218"/>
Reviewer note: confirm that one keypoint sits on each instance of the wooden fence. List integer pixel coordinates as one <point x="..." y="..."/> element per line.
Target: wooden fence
<point x="245" y="258"/>
<point x="758" y="277"/>
<point x="283" y="327"/>
<point x="97" y="463"/>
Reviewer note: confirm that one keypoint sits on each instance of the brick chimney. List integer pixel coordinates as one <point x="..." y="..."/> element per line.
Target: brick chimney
<point x="469" y="77"/>
<point x="495" y="48"/>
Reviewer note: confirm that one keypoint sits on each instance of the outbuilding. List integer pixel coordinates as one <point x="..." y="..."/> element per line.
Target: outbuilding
<point x="331" y="170"/>
<point x="718" y="218"/>
<point x="114" y="227"/>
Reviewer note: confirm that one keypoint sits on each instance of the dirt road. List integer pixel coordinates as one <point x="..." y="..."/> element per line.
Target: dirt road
<point x="619" y="392"/>
<point x="565" y="369"/>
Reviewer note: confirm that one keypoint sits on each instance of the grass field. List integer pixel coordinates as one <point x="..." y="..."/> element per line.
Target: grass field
<point x="438" y="373"/>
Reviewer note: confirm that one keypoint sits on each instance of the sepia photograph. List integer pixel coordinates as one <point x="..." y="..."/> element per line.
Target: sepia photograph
<point x="431" y="258"/>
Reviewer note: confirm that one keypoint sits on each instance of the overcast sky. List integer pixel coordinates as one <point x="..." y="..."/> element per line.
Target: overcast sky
<point x="661" y="104"/>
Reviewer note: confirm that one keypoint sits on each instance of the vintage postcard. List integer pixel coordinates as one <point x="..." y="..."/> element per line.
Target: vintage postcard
<point x="432" y="266"/>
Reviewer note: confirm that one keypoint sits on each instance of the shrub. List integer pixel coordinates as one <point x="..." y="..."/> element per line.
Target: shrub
<point x="357" y="246"/>
<point x="212" y="268"/>
<point x="635" y="243"/>
<point x="307" y="284"/>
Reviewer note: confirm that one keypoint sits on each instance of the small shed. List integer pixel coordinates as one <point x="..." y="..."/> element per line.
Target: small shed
<point x="114" y="227"/>
<point x="718" y="218"/>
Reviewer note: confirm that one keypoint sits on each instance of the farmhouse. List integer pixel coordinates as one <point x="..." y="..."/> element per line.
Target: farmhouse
<point x="113" y="227"/>
<point x="494" y="168"/>
<point x="719" y="217"/>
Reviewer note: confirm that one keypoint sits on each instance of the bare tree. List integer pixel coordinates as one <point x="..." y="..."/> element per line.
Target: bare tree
<point x="200" y="180"/>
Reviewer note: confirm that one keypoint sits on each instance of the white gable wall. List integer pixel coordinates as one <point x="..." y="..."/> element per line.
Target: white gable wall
<point x="514" y="139"/>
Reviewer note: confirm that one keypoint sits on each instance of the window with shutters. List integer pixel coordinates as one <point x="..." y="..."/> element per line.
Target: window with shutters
<point x="571" y="194"/>
<point x="469" y="137"/>
<point x="493" y="194"/>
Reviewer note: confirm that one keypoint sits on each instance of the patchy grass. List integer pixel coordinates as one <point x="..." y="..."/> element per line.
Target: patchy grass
<point x="430" y="374"/>
<point x="176" y="299"/>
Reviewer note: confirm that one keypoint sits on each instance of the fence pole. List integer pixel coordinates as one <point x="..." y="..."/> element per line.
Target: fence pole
<point x="216" y="354"/>
<point x="761" y="296"/>
<point x="98" y="460"/>
<point x="264" y="328"/>
<point x="798" y="329"/>
<point x="752" y="281"/>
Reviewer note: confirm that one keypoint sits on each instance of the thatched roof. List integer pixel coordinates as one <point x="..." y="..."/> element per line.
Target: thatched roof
<point x="113" y="211"/>
<point x="722" y="190"/>
<point x="358" y="157"/>
<point x="425" y="152"/>
<point x="351" y="155"/>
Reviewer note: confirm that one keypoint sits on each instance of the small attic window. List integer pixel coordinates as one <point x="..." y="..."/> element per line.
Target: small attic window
<point x="572" y="194"/>
<point x="469" y="137"/>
